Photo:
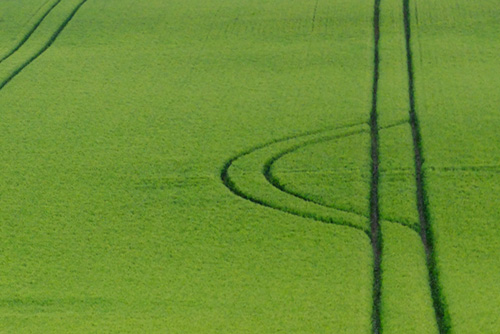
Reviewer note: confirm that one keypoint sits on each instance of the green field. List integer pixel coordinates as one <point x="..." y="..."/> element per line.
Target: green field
<point x="249" y="166"/>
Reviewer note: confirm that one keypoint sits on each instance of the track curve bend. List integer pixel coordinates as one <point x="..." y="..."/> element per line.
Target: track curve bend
<point x="249" y="175"/>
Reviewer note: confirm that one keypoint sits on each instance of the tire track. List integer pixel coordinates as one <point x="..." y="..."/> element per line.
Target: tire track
<point x="267" y="170"/>
<point x="313" y="19"/>
<point x="376" y="233"/>
<point x="233" y="187"/>
<point x="44" y="48"/>
<point x="426" y="233"/>
<point x="32" y="30"/>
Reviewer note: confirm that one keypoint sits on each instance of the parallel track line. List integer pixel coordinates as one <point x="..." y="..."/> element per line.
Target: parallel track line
<point x="32" y="30"/>
<point x="426" y="233"/>
<point x="47" y="45"/>
<point x="376" y="233"/>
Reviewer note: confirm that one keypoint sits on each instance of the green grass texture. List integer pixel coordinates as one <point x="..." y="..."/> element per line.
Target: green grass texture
<point x="190" y="166"/>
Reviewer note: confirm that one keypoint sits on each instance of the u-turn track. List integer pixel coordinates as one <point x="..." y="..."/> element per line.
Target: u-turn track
<point x="373" y="232"/>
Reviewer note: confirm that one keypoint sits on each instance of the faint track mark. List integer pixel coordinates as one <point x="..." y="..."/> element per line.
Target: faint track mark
<point x="315" y="11"/>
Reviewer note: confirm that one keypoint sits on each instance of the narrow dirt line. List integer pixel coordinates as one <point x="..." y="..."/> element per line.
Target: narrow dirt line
<point x="32" y="30"/>
<point x="376" y="234"/>
<point x="313" y="19"/>
<point x="426" y="233"/>
<point x="45" y="47"/>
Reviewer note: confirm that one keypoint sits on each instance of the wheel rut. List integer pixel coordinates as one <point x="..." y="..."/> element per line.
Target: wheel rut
<point x="292" y="144"/>
<point x="241" y="191"/>
<point x="426" y="232"/>
<point x="268" y="168"/>
<point x="30" y="32"/>
<point x="373" y="231"/>
<point x="45" y="46"/>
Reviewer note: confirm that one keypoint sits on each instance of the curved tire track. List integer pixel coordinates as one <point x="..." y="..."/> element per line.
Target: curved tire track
<point x="236" y="189"/>
<point x="275" y="182"/>
<point x="267" y="170"/>
<point x="266" y="167"/>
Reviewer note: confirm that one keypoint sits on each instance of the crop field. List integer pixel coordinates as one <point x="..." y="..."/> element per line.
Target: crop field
<point x="250" y="166"/>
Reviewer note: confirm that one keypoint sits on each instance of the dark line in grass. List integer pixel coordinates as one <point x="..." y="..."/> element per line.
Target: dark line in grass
<point x="229" y="183"/>
<point x="275" y="182"/>
<point x="315" y="11"/>
<point x="28" y="35"/>
<point x="476" y="168"/>
<point x="376" y="234"/>
<point x="266" y="170"/>
<point x="45" y="47"/>
<point x="426" y="233"/>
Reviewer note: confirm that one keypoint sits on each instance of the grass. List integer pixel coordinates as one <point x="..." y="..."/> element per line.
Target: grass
<point x="16" y="20"/>
<point x="459" y="122"/>
<point x="121" y="138"/>
<point x="343" y="184"/>
<point x="111" y="194"/>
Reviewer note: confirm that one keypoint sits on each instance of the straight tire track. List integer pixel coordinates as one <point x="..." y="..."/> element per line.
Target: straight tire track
<point x="375" y="231"/>
<point x="47" y="45"/>
<point x="426" y="233"/>
<point x="28" y="35"/>
<point x="315" y="11"/>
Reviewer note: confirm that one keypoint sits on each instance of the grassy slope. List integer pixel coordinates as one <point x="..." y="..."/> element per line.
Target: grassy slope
<point x="457" y="97"/>
<point x="114" y="217"/>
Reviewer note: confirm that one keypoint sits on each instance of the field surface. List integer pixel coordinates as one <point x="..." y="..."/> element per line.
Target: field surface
<point x="249" y="166"/>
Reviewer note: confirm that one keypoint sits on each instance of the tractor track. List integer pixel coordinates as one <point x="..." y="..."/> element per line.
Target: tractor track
<point x="423" y="228"/>
<point x="376" y="233"/>
<point x="235" y="189"/>
<point x="267" y="170"/>
<point x="32" y="30"/>
<point x="44" y="48"/>
<point x="426" y="233"/>
<point x="315" y="12"/>
<point x="268" y="165"/>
